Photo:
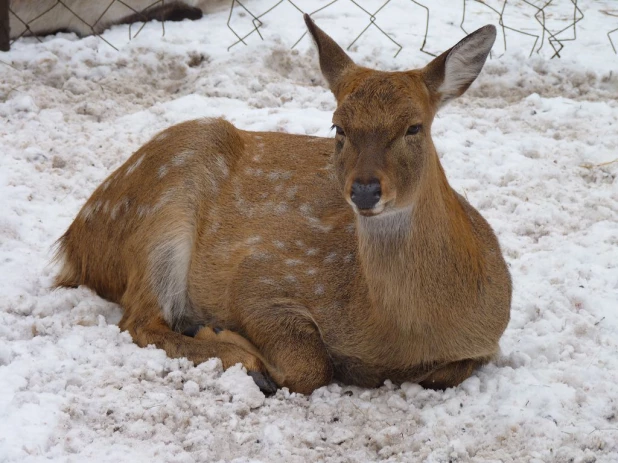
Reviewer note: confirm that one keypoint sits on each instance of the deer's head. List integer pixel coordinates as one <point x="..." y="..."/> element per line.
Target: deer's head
<point x="383" y="146"/>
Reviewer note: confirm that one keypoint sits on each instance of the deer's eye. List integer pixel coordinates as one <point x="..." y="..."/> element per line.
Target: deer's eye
<point x="339" y="130"/>
<point x="414" y="129"/>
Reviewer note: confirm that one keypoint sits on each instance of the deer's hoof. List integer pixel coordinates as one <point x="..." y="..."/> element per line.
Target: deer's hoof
<point x="264" y="382"/>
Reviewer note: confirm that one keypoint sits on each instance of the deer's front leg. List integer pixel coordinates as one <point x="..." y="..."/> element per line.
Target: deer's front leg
<point x="290" y="342"/>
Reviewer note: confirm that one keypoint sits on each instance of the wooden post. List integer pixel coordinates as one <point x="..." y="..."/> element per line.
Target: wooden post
<point x="4" y="26"/>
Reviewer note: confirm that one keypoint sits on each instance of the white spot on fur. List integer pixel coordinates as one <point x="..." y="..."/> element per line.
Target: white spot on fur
<point x="317" y="225"/>
<point x="290" y="279"/>
<point x="305" y="209"/>
<point x="279" y="244"/>
<point x="165" y="198"/>
<point x="260" y="151"/>
<point x="254" y="240"/>
<point x="319" y="289"/>
<point x="311" y="271"/>
<point x="105" y="185"/>
<point x="254" y="172"/>
<point x="96" y="207"/>
<point x="281" y="208"/>
<point x="143" y="210"/>
<point x="212" y="180"/>
<point x="330" y="258"/>
<point x="291" y="193"/>
<point x="86" y="212"/>
<point x="115" y="210"/>
<point x="134" y="166"/>
<point x="267" y="281"/>
<point x="215" y="226"/>
<point x="261" y="255"/>
<point x="125" y="204"/>
<point x="243" y="206"/>
<point x="181" y="158"/>
<point x="222" y="165"/>
<point x="311" y="251"/>
<point x="169" y="264"/>
<point x="279" y="175"/>
<point x="293" y="262"/>
<point x="348" y="258"/>
<point x="162" y="136"/>
<point x="163" y="171"/>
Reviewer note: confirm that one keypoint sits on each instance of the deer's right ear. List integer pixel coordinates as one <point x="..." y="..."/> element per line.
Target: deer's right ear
<point x="334" y="62"/>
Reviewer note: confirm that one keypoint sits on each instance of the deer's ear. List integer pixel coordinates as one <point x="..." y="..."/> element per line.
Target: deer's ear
<point x="450" y="74"/>
<point x="334" y="62"/>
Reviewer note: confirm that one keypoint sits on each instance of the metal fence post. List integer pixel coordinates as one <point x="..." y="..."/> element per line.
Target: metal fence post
<point x="4" y="25"/>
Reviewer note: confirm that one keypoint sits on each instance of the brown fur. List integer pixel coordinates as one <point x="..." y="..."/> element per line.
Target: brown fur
<point x="253" y="233"/>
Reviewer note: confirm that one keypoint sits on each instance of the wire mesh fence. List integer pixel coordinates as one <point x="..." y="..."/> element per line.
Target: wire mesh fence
<point x="28" y="18"/>
<point x="556" y="38"/>
<point x="32" y="18"/>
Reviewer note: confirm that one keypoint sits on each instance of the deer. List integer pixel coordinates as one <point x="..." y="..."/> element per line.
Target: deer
<point x="307" y="260"/>
<point x="87" y="17"/>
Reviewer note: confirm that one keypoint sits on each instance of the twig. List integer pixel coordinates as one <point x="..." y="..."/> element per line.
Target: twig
<point x="589" y="165"/>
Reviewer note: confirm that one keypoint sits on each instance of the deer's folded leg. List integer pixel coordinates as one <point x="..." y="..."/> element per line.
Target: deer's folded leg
<point x="290" y="342"/>
<point x="145" y="324"/>
<point x="452" y="374"/>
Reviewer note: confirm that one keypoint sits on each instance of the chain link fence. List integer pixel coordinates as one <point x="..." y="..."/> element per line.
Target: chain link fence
<point x="34" y="18"/>
<point x="111" y="12"/>
<point x="556" y="38"/>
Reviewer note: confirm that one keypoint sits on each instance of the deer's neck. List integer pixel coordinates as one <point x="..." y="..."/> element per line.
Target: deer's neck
<point x="409" y="258"/>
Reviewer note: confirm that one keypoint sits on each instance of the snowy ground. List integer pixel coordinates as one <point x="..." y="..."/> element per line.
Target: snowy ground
<point x="530" y="145"/>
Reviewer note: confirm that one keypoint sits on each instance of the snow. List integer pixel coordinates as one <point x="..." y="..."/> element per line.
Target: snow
<point x="531" y="145"/>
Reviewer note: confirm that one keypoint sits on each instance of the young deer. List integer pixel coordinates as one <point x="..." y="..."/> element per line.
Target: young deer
<point x="305" y="259"/>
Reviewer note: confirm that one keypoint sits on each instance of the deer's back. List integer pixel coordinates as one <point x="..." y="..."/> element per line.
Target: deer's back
<point x="240" y="199"/>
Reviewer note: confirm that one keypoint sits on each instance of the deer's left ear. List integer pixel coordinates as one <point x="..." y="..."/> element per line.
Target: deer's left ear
<point x="450" y="74"/>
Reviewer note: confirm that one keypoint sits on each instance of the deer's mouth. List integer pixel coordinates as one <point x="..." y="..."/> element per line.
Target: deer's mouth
<point x="370" y="212"/>
<point x="376" y="210"/>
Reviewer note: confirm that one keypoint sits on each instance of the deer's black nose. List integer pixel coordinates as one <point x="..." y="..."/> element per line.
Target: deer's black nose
<point x="366" y="195"/>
